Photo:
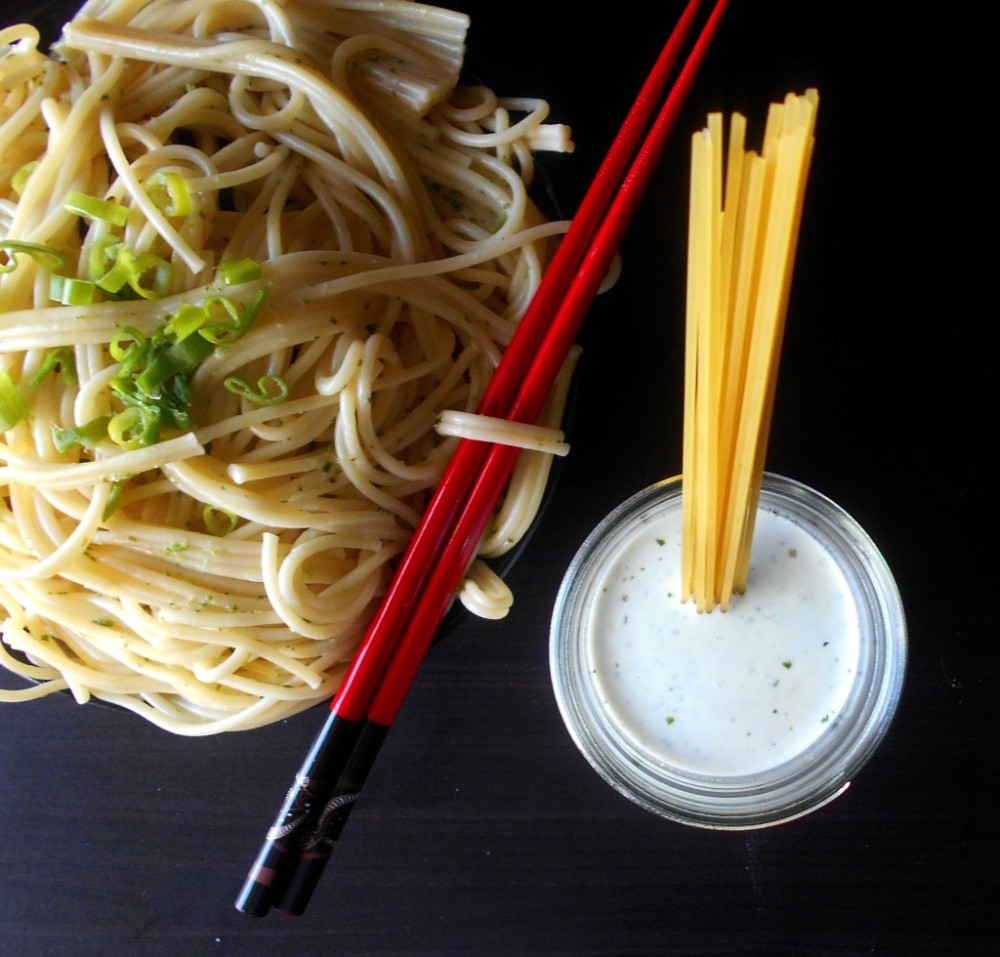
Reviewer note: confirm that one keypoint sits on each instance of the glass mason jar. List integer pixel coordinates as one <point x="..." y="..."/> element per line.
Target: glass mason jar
<point x="731" y="719"/>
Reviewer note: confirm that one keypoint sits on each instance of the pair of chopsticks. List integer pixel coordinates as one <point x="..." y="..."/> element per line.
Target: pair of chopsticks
<point x="298" y="844"/>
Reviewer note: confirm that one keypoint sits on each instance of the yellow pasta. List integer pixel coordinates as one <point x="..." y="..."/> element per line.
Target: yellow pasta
<point x="250" y="254"/>
<point x="745" y="211"/>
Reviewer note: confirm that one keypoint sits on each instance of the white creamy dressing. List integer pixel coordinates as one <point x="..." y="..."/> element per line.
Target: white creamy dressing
<point x="723" y="693"/>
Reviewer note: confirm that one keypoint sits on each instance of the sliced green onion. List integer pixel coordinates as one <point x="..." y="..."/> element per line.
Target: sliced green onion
<point x="188" y="319"/>
<point x="114" y="500"/>
<point x="117" y="277"/>
<point x="61" y="359"/>
<point x="13" y="406"/>
<point x="183" y="357"/>
<point x="150" y="276"/>
<point x="153" y="381"/>
<point x="20" y="179"/>
<point x="235" y="271"/>
<point x="43" y="255"/>
<point x="170" y="192"/>
<point x="103" y="253"/>
<point x="171" y="406"/>
<point x="84" y="436"/>
<point x="93" y="208"/>
<point x="230" y="324"/>
<point x="218" y="521"/>
<point x="128" y="346"/>
<point x="146" y="274"/>
<point x="174" y="403"/>
<point x="72" y="292"/>
<point x="135" y="428"/>
<point x="271" y="389"/>
<point x="223" y="319"/>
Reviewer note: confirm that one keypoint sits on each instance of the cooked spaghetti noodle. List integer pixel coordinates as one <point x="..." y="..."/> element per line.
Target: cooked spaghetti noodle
<point x="250" y="252"/>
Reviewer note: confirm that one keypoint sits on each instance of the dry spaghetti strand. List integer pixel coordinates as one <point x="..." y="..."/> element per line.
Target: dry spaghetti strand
<point x="744" y="220"/>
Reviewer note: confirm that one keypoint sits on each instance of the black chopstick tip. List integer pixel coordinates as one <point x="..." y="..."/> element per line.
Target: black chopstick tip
<point x="256" y="895"/>
<point x="303" y="883"/>
<point x="254" y="900"/>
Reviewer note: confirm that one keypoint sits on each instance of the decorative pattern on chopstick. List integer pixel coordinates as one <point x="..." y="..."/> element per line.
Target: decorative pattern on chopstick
<point x="745" y="212"/>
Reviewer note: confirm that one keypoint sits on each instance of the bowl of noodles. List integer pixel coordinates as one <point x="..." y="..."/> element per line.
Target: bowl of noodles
<point x="257" y="264"/>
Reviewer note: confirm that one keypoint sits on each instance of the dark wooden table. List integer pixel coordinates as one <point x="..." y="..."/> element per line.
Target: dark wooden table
<point x="482" y="830"/>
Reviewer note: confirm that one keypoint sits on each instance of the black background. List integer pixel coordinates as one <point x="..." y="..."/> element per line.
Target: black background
<point x="482" y="830"/>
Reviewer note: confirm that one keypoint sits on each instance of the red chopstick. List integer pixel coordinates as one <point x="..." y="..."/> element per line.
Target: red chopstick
<point x="527" y="405"/>
<point x="436" y="526"/>
<point x="298" y="844"/>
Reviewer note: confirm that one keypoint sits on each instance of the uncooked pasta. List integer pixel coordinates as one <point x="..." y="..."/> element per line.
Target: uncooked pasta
<point x="258" y="261"/>
<point x="745" y="213"/>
